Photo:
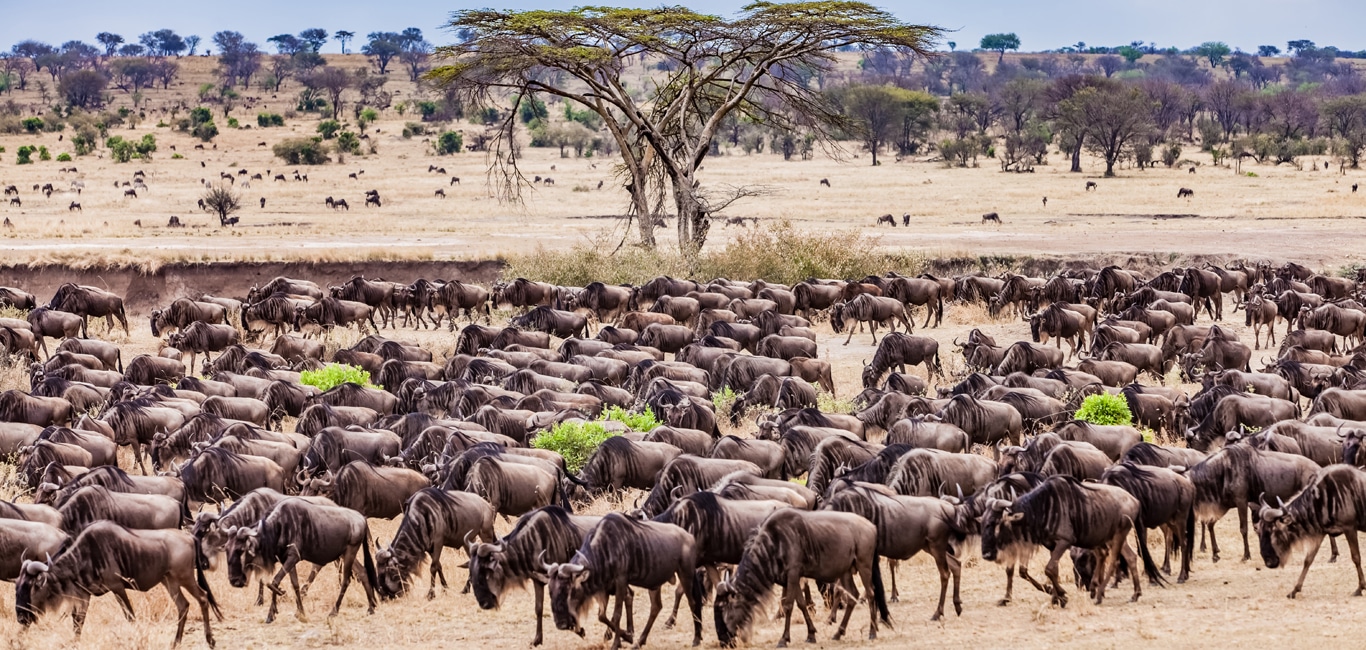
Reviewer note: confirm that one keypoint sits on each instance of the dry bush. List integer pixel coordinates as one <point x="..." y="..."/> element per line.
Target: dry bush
<point x="779" y="254"/>
<point x="13" y="373"/>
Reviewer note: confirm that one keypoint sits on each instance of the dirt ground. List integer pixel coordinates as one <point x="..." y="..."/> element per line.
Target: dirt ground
<point x="1281" y="213"/>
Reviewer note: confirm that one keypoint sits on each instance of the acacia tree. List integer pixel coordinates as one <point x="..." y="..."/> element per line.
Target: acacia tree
<point x="999" y="43"/>
<point x="331" y="80"/>
<point x="1345" y="118"/>
<point x="876" y="112"/>
<point x="1110" y="118"/>
<point x="344" y="37"/>
<point x="222" y="201"/>
<point x="709" y="69"/>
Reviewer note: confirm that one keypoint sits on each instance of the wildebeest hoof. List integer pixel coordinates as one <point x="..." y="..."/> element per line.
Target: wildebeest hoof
<point x="958" y="608"/>
<point x="669" y="624"/>
<point x="810" y="638"/>
<point x="1003" y="602"/>
<point x="782" y="643"/>
<point x="894" y="599"/>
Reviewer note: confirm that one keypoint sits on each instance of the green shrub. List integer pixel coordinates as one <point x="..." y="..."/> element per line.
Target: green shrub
<point x="265" y="120"/>
<point x="348" y="142"/>
<point x="366" y="117"/>
<point x="125" y="150"/>
<point x="33" y="124"/>
<point x="336" y="374"/>
<point x="233" y="123"/>
<point x="449" y="142"/>
<point x="329" y="128"/>
<point x="643" y="422"/>
<point x="176" y="156"/>
<point x="301" y="151"/>
<point x="575" y="441"/>
<point x="724" y="400"/>
<point x="44" y="154"/>
<point x="25" y="155"/>
<point x="411" y="129"/>
<point x="1106" y="410"/>
<point x="206" y="131"/>
<point x="63" y="157"/>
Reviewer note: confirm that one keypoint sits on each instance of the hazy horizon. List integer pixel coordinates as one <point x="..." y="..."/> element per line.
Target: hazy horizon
<point x="1243" y="24"/>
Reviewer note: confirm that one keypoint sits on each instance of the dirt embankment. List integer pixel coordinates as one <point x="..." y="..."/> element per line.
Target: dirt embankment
<point x="144" y="292"/>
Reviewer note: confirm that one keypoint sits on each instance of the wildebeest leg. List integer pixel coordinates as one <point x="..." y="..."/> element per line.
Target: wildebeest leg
<point x="612" y="628"/>
<point x="656" y="604"/>
<point x="260" y="592"/>
<point x="673" y="615"/>
<point x="182" y="606"/>
<point x="1355" y="550"/>
<point x="78" y="611"/>
<point x="1213" y="543"/>
<point x="1135" y="569"/>
<point x="1168" y="539"/>
<point x="891" y="569"/>
<point x="137" y="455"/>
<point x="121" y="594"/>
<point x="851" y="333"/>
<point x="539" y="588"/>
<point x="1333" y="546"/>
<point x="947" y="565"/>
<point x="312" y="575"/>
<point x="790" y="594"/>
<point x="872" y="329"/>
<point x="347" y="565"/>
<point x="850" y="601"/>
<point x="1242" y="527"/>
<point x="358" y="569"/>
<point x="436" y="571"/>
<point x="1050" y="571"/>
<point x="1010" y="585"/>
<point x="1313" y="549"/>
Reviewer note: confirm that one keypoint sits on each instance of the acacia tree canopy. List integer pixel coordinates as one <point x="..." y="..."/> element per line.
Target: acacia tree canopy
<point x="756" y="65"/>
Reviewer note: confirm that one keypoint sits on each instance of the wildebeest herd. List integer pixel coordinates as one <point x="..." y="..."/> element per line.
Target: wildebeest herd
<point x="983" y="448"/>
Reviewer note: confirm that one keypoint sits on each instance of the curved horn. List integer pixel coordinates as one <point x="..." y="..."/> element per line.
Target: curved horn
<point x="545" y="566"/>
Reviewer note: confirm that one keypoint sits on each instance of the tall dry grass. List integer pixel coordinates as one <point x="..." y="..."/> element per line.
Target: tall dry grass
<point x="780" y="253"/>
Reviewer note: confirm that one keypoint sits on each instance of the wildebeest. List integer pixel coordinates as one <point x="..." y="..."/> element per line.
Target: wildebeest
<point x="1333" y="503"/>
<point x="433" y="519"/>
<point x="87" y="302"/>
<point x="1236" y="477"/>
<point x="1185" y="193"/>
<point x="105" y="558"/>
<point x="791" y="545"/>
<point x="898" y="350"/>
<point x="869" y="309"/>
<point x="298" y="531"/>
<point x="548" y="535"/>
<point x="1062" y="513"/>
<point x="907" y="525"/>
<point x="1166" y="500"/>
<point x="620" y="553"/>
<point x="378" y="492"/>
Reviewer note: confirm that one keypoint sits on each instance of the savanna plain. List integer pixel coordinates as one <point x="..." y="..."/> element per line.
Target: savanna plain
<point x="1298" y="212"/>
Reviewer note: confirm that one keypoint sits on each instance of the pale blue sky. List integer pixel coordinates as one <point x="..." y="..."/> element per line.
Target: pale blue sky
<point x="1040" y="25"/>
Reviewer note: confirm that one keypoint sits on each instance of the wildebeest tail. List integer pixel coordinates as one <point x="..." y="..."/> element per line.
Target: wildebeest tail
<point x="564" y="493"/>
<point x="200" y="562"/>
<point x="939" y="314"/>
<point x="1150" y="567"/>
<point x="698" y="593"/>
<point x="118" y="357"/>
<point x="369" y="564"/>
<point x="880" y="592"/>
<point x="1189" y="544"/>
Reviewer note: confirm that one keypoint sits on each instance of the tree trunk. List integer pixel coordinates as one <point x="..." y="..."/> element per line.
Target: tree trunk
<point x="1076" y="157"/>
<point x="693" y="221"/>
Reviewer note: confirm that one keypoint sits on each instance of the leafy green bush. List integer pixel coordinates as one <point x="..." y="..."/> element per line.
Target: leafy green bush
<point x="265" y="120"/>
<point x="44" y="154"/>
<point x="33" y="124"/>
<point x="411" y="129"/>
<point x="233" y="123"/>
<point x="329" y="128"/>
<point x="63" y="157"/>
<point x="125" y="150"/>
<point x="643" y="422"/>
<point x="1105" y="409"/>
<point x="336" y="374"/>
<point x="25" y="155"/>
<point x="206" y="131"/>
<point x="348" y="142"/>
<point x="723" y="400"/>
<point x="301" y="151"/>
<point x="449" y="142"/>
<point x="575" y="441"/>
<point x="366" y="117"/>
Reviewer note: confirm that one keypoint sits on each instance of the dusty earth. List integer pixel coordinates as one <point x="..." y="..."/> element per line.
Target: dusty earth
<point x="1281" y="213"/>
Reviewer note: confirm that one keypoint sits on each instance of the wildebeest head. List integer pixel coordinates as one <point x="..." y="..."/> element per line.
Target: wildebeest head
<point x="569" y="597"/>
<point x="35" y="591"/>
<point x="1278" y="534"/>
<point x="209" y="539"/>
<point x="733" y="621"/>
<point x="488" y="573"/>
<point x="391" y="580"/>
<point x="999" y="528"/>
<point x="243" y="547"/>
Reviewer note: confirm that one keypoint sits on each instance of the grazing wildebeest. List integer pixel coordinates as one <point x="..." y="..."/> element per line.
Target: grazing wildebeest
<point x="106" y="558"/>
<point x="792" y="545"/>
<point x="620" y="553"/>
<point x="1236" y="477"/>
<point x="433" y="519"/>
<point x="1185" y="193"/>
<point x="991" y="217"/>
<point x="887" y="219"/>
<point x="548" y="535"/>
<point x="298" y="531"/>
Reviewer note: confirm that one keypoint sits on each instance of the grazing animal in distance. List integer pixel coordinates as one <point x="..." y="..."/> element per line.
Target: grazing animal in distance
<point x="373" y="198"/>
<point x="887" y="219"/>
<point x="74" y="207"/>
<point x="263" y="203"/>
<point x="1192" y="170"/>
<point x="455" y="180"/>
<point x="906" y="220"/>
<point x="1354" y="187"/>
<point x="1045" y="201"/>
<point x="441" y="193"/>
<point x="1091" y="185"/>
<point x="1185" y="192"/>
<point x="825" y="182"/>
<point x="991" y="217"/>
<point x="16" y="201"/>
